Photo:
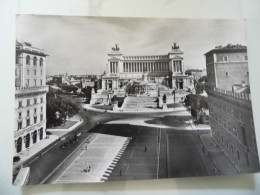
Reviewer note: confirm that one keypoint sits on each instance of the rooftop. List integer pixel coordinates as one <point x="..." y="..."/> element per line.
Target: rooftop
<point x="229" y="48"/>
<point x="26" y="47"/>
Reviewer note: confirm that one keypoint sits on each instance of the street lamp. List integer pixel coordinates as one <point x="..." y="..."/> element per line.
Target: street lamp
<point x="173" y="92"/>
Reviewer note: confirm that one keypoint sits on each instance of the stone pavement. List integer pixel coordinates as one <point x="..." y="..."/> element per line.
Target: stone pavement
<point x="96" y="160"/>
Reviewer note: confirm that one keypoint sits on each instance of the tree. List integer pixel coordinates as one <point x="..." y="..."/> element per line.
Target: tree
<point x="87" y="91"/>
<point x="197" y="103"/>
<point x="55" y="103"/>
<point x="200" y="84"/>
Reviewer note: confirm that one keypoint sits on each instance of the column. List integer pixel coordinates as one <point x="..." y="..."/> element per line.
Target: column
<point x="23" y="143"/>
<point x="37" y="136"/>
<point x="182" y="65"/>
<point x="103" y="84"/>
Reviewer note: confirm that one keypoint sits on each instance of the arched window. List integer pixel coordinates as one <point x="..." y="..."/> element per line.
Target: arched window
<point x="28" y="59"/>
<point x="34" y="61"/>
<point x="41" y="62"/>
<point x="225" y="58"/>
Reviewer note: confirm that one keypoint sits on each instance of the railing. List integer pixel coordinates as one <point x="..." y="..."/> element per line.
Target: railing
<point x="31" y="87"/>
<point x="243" y="96"/>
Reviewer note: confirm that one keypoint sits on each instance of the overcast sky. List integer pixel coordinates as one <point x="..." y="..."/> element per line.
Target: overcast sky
<point x="79" y="45"/>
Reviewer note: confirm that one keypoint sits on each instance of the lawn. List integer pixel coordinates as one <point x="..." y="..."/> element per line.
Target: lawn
<point x="67" y="125"/>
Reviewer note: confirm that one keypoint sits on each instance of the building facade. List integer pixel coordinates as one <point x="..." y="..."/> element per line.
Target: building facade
<point x="30" y="96"/>
<point x="230" y="108"/>
<point x="121" y="68"/>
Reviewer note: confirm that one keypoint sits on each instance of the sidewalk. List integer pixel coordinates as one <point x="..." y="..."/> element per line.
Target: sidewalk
<point x="199" y="126"/>
<point x="221" y="161"/>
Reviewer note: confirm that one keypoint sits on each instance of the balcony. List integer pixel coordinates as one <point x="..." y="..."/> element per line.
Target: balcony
<point x="33" y="90"/>
<point x="29" y="128"/>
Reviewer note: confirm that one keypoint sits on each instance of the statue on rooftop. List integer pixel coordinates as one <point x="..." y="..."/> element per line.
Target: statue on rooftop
<point x="175" y="46"/>
<point x="116" y="48"/>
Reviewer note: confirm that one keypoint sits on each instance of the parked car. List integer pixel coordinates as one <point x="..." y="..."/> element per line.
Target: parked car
<point x="16" y="158"/>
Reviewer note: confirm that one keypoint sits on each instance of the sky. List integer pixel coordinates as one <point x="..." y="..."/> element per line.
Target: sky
<point x="79" y="45"/>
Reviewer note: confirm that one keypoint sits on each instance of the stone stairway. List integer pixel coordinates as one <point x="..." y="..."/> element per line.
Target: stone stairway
<point x="139" y="103"/>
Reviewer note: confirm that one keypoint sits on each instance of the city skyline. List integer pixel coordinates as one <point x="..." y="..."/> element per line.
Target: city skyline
<point x="148" y="36"/>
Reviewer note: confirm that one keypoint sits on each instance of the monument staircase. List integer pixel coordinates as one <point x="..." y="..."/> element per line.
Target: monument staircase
<point x="139" y="103"/>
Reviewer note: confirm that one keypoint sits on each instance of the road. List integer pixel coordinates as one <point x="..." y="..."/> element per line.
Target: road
<point x="41" y="167"/>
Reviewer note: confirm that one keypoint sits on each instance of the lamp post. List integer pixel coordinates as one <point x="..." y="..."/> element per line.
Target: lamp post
<point x="173" y="92"/>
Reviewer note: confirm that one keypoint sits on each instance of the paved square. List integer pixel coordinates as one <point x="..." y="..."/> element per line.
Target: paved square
<point x="94" y="161"/>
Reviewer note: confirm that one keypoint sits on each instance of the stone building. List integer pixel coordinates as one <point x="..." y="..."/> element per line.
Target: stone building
<point x="230" y="107"/>
<point x="149" y="68"/>
<point x="30" y="96"/>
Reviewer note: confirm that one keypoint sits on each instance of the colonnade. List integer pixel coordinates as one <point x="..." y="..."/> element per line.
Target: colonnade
<point x="146" y="67"/>
<point x="113" y="68"/>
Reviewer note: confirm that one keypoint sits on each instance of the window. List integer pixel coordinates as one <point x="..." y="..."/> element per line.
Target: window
<point x="34" y="61"/>
<point x="35" y="119"/>
<point x="41" y="81"/>
<point x="34" y="72"/>
<point x="41" y="109"/>
<point x="225" y="58"/>
<point x="240" y="118"/>
<point x="227" y="74"/>
<point x="238" y="155"/>
<point x="235" y="131"/>
<point x="35" y="110"/>
<point x="28" y="102"/>
<point x="252" y="123"/>
<point x="222" y="139"/>
<point x="27" y="82"/>
<point x="41" y="72"/>
<point x="254" y="143"/>
<point x="41" y="117"/>
<point x="17" y="59"/>
<point x="19" y="115"/>
<point x="28" y="60"/>
<point x="41" y="99"/>
<point x="227" y="143"/>
<point x="41" y="62"/>
<point x="28" y="122"/>
<point x="35" y="82"/>
<point x="35" y="100"/>
<point x="28" y="113"/>
<point x="20" y="104"/>
<point x="232" y="149"/>
<point x="28" y="72"/>
<point x="246" y="73"/>
<point x="19" y="125"/>
<point x="246" y="58"/>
